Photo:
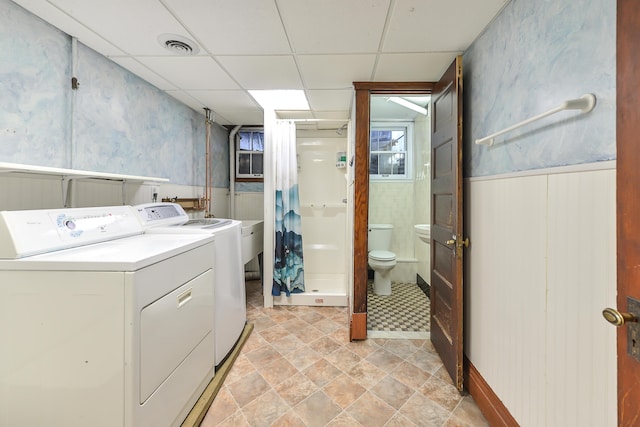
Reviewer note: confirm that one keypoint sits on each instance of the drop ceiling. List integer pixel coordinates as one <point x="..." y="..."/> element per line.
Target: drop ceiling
<point x="319" y="46"/>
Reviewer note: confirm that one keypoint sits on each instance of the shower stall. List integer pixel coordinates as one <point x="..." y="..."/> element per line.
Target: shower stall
<point x="322" y="183"/>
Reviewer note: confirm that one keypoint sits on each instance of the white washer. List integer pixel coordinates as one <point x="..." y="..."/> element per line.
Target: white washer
<point x="229" y="294"/>
<point x="100" y="324"/>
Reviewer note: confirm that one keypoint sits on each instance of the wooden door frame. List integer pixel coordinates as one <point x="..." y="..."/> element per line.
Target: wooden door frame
<point x="628" y="201"/>
<point x="364" y="90"/>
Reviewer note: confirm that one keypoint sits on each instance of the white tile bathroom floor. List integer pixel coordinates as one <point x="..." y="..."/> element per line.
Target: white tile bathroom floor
<point x="298" y="368"/>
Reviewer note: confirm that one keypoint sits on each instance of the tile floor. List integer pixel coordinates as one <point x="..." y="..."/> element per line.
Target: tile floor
<point x="298" y="368"/>
<point x="405" y="310"/>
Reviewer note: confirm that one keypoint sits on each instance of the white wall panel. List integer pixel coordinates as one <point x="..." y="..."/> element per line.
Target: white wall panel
<point x="541" y="266"/>
<point x="504" y="318"/>
<point x="249" y="205"/>
<point x="18" y="193"/>
<point x="581" y="346"/>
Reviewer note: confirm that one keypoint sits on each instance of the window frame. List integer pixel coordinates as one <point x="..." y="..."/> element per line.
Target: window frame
<point x="391" y="125"/>
<point x="247" y="177"/>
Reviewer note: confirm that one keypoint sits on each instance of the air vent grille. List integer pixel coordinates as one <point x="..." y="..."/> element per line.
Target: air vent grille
<point x="178" y="44"/>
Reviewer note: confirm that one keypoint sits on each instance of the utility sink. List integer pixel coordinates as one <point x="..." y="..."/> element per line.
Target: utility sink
<point x="423" y="231"/>
<point x="252" y="239"/>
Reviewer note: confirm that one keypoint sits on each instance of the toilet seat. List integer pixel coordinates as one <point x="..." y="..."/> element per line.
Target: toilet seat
<point x="382" y="256"/>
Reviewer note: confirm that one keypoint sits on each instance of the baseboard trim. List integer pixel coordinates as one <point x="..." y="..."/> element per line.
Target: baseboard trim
<point x="489" y="403"/>
<point x="426" y="288"/>
<point x="358" y="327"/>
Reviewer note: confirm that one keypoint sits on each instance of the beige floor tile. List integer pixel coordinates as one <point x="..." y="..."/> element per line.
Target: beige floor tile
<point x="467" y="414"/>
<point x="445" y="395"/>
<point x="371" y="411"/>
<point x="322" y="372"/>
<point x="263" y="356"/>
<point x="410" y="374"/>
<point x="265" y="409"/>
<point x="290" y="419"/>
<point x="424" y="412"/>
<point x="344" y="390"/>
<point x="366" y="373"/>
<point x="298" y="369"/>
<point x="295" y="389"/>
<point x="287" y="344"/>
<point x="392" y="391"/>
<point x="248" y="388"/>
<point x="324" y="345"/>
<point x="343" y="359"/>
<point x="344" y="420"/>
<point x="278" y="371"/>
<point x="317" y="410"/>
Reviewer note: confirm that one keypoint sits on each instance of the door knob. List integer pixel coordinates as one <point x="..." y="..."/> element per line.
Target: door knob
<point x="616" y="318"/>
<point x="461" y="243"/>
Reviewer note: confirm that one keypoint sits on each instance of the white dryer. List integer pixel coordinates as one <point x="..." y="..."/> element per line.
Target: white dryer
<point x="229" y="294"/>
<point x="100" y="324"/>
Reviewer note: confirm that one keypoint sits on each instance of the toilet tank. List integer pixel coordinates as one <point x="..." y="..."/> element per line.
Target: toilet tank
<point x="379" y="237"/>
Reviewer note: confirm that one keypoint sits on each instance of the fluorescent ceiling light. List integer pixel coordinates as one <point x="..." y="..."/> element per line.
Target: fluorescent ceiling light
<point x="281" y="99"/>
<point x="409" y="105"/>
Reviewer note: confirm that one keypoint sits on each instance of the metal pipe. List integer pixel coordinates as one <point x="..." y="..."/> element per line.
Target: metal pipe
<point x="232" y="172"/>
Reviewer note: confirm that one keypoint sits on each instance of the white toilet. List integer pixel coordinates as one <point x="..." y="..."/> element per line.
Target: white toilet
<point x="381" y="259"/>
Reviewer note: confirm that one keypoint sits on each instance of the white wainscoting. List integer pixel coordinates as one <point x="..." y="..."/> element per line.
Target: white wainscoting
<point x="26" y="192"/>
<point x="249" y="205"/>
<point x="541" y="267"/>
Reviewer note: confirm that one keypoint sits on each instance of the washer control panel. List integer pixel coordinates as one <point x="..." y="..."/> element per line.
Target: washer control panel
<point x="31" y="232"/>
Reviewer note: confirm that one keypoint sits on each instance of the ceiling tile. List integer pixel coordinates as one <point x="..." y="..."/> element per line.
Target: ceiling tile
<point x="330" y="100"/>
<point x="421" y="67"/>
<point x="132" y="26"/>
<point x="295" y="115"/>
<point x="334" y="26"/>
<point x="249" y="27"/>
<point x="64" y="22"/>
<point x="187" y="100"/>
<point x="190" y="72"/>
<point x="241" y="117"/>
<point x="332" y="115"/>
<point x="263" y="72"/>
<point x="143" y="72"/>
<point x="228" y="99"/>
<point x="335" y="71"/>
<point x="460" y="21"/>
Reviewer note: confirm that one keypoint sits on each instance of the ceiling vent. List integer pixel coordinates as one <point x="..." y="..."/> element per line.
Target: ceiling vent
<point x="178" y="44"/>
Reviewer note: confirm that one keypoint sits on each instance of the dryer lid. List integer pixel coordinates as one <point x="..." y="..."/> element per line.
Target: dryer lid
<point x="382" y="255"/>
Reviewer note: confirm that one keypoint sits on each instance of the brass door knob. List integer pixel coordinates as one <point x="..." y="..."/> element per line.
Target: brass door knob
<point x="616" y="318"/>
<point x="461" y="243"/>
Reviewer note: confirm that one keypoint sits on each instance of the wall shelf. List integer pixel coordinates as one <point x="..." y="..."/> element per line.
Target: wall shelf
<point x="67" y="176"/>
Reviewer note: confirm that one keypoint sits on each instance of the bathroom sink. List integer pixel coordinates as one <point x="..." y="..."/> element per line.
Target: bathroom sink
<point x="423" y="231"/>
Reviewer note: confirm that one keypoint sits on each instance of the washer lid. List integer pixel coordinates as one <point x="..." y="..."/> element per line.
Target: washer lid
<point x="382" y="255"/>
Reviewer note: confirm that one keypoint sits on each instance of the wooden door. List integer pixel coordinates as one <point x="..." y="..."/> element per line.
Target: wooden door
<point x="447" y="242"/>
<point x="628" y="201"/>
<point x="358" y="312"/>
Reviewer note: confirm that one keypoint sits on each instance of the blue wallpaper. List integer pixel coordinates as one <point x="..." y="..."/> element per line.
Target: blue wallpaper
<point x="122" y="123"/>
<point x="535" y="55"/>
<point x="34" y="100"/>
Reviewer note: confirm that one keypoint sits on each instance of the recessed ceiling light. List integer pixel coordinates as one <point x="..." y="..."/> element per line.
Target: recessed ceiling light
<point x="178" y="44"/>
<point x="408" y="104"/>
<point x="281" y="99"/>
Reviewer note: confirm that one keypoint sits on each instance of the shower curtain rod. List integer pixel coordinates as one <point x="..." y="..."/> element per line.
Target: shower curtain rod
<point x="585" y="104"/>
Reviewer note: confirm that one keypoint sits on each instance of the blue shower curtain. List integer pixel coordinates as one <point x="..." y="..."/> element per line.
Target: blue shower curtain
<point x="288" y="269"/>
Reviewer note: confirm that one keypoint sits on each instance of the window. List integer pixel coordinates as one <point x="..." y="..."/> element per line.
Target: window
<point x="249" y="155"/>
<point x="389" y="151"/>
